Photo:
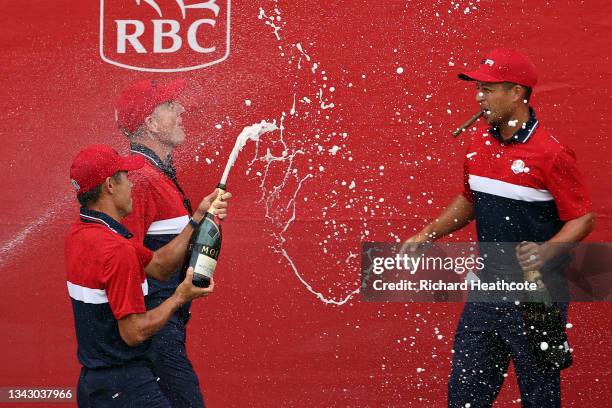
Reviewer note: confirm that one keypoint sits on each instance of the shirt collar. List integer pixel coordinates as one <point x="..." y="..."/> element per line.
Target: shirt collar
<point x="167" y="166"/>
<point x="89" y="215"/>
<point x="522" y="135"/>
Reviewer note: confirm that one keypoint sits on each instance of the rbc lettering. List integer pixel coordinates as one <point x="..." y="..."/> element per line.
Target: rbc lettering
<point x="164" y="35"/>
<point x="129" y="31"/>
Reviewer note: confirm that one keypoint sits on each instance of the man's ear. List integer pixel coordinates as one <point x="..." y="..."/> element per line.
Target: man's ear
<point x="110" y="185"/>
<point x="518" y="93"/>
<point x="151" y="123"/>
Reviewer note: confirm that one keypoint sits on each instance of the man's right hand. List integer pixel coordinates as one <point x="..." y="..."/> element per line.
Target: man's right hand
<point x="457" y="215"/>
<point x="137" y="327"/>
<point x="186" y="291"/>
<point x="412" y="244"/>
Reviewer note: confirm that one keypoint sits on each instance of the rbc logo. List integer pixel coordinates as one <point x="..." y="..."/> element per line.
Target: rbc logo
<point x="164" y="35"/>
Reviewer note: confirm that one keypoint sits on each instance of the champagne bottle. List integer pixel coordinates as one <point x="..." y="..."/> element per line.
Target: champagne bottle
<point x="205" y="246"/>
<point x="544" y="326"/>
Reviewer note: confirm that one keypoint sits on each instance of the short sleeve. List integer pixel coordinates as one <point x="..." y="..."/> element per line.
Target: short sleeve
<point x="143" y="208"/>
<point x="144" y="254"/>
<point x="124" y="278"/>
<point x="566" y="184"/>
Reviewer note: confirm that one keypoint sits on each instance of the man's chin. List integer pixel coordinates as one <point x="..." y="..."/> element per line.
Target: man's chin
<point x="179" y="140"/>
<point x="492" y="120"/>
<point x="127" y="211"/>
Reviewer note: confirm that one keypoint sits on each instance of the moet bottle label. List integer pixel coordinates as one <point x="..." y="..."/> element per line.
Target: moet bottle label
<point x="205" y="265"/>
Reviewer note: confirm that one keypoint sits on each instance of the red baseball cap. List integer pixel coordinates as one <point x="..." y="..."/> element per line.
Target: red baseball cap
<point x="504" y="65"/>
<point x="96" y="163"/>
<point x="139" y="99"/>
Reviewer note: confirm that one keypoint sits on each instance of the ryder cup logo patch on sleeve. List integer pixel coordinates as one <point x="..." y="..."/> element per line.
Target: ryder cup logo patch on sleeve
<point x="518" y="166"/>
<point x="164" y="35"/>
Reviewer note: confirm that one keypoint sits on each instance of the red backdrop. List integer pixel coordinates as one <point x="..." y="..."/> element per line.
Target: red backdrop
<point x="284" y="327"/>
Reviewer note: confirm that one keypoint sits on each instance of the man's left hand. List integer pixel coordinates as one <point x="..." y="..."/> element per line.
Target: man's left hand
<point x="218" y="206"/>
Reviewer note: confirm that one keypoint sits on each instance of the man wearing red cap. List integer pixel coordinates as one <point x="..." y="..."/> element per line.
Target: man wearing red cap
<point x="521" y="186"/>
<point x="149" y="114"/>
<point x="107" y="284"/>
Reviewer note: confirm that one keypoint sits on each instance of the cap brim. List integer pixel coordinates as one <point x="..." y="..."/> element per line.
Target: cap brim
<point x="130" y="163"/>
<point x="478" y="76"/>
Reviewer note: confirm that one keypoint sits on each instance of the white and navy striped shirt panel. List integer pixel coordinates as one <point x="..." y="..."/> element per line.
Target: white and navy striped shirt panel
<point x="171" y="226"/>
<point x="157" y="205"/>
<point x="105" y="282"/>
<point x="95" y="296"/>
<point x="522" y="191"/>
<point x="508" y="190"/>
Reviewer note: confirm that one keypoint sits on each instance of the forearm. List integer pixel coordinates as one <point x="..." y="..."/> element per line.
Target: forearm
<point x="136" y="328"/>
<point x="570" y="234"/>
<point x="169" y="257"/>
<point x="457" y="215"/>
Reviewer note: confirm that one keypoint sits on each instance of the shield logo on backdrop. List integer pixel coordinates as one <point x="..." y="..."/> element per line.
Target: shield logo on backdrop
<point x="164" y="35"/>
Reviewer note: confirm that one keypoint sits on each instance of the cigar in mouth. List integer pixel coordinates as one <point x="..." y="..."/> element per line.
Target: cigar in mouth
<point x="467" y="124"/>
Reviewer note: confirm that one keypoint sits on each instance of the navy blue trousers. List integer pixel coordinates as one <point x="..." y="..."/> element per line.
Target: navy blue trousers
<point x="489" y="335"/>
<point x="131" y="386"/>
<point x="178" y="381"/>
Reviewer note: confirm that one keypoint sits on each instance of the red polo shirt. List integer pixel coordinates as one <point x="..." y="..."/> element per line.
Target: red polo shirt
<point x="106" y="282"/>
<point x="524" y="189"/>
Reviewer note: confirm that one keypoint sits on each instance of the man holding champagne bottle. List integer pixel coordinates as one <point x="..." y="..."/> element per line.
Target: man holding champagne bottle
<point x="149" y="114"/>
<point x="107" y="284"/>
<point x="524" y="190"/>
